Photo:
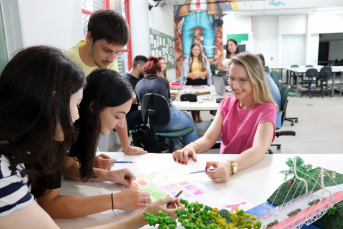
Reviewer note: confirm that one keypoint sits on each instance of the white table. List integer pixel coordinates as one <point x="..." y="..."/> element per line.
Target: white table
<point x="255" y="184"/>
<point x="302" y="70"/>
<point x="208" y="103"/>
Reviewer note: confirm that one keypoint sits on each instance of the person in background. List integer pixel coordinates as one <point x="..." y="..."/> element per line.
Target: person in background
<point x="164" y="73"/>
<point x="245" y="121"/>
<point x="108" y="33"/>
<point x="152" y="83"/>
<point x="107" y="98"/>
<point x="196" y="70"/>
<point x="134" y="117"/>
<point x="274" y="90"/>
<point x="232" y="49"/>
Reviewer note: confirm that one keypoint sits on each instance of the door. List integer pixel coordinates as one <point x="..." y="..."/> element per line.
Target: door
<point x="323" y="53"/>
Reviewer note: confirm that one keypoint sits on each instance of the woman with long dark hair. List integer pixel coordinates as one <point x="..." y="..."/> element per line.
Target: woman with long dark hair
<point x="107" y="98"/>
<point x="196" y="70"/>
<point x="40" y="90"/>
<point x="152" y="83"/>
<point x="232" y="49"/>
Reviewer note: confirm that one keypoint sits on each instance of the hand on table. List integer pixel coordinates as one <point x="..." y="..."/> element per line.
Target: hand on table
<point x="160" y="205"/>
<point x="103" y="161"/>
<point x="132" y="198"/>
<point x="226" y="95"/>
<point x="121" y="176"/>
<point x="182" y="155"/>
<point x="222" y="171"/>
<point x="133" y="150"/>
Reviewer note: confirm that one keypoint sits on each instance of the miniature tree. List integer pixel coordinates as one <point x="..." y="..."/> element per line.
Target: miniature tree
<point x="272" y="223"/>
<point x="197" y="216"/>
<point x="301" y="166"/>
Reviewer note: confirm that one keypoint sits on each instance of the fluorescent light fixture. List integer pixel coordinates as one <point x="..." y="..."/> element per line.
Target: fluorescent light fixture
<point x="333" y="11"/>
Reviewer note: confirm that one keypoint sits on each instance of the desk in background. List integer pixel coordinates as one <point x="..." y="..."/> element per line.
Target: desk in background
<point x="254" y="184"/>
<point x="302" y="70"/>
<point x="209" y="100"/>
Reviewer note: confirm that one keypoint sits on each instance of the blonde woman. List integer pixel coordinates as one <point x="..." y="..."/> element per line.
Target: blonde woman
<point x="196" y="69"/>
<point x="245" y="121"/>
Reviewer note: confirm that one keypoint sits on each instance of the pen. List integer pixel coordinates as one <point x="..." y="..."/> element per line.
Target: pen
<point x="177" y="195"/>
<point x="202" y="171"/>
<point x="123" y="162"/>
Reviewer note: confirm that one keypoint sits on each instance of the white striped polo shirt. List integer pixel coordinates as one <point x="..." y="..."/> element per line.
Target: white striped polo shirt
<point x="14" y="187"/>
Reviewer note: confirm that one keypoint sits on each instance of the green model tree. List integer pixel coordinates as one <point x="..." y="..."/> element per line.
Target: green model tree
<point x="301" y="166"/>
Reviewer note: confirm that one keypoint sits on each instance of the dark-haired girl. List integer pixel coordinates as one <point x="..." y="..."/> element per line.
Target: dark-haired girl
<point x="232" y="49"/>
<point x="107" y="98"/>
<point x="40" y="90"/>
<point x="152" y="83"/>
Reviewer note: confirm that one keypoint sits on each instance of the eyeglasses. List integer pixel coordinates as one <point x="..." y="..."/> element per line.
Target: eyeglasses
<point x="240" y="81"/>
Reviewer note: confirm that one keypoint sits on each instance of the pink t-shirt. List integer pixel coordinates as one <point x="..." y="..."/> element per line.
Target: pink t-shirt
<point x="238" y="136"/>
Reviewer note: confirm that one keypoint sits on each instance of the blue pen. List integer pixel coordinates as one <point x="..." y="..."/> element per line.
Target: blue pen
<point x="123" y="162"/>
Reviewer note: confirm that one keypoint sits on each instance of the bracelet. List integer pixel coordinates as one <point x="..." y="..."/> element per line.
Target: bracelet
<point x="197" y="146"/>
<point x="112" y="201"/>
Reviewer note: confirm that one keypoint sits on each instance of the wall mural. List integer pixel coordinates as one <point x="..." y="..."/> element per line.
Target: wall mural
<point x="200" y="21"/>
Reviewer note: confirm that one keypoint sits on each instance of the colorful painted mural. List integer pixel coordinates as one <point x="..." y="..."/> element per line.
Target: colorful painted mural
<point x="200" y="21"/>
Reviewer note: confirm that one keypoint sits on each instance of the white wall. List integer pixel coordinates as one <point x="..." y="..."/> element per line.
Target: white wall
<point x="139" y="27"/>
<point x="313" y="49"/>
<point x="265" y="30"/>
<point x="42" y="22"/>
<point x="326" y="23"/>
<point x="293" y="49"/>
<point x="294" y="24"/>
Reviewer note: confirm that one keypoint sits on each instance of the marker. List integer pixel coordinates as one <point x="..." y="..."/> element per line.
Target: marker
<point x="177" y="195"/>
<point x="203" y="171"/>
<point x="123" y="162"/>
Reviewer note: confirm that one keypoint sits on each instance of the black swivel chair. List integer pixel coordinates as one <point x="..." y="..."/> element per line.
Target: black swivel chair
<point x="324" y="74"/>
<point x="159" y="114"/>
<point x="311" y="75"/>
<point x="284" y="101"/>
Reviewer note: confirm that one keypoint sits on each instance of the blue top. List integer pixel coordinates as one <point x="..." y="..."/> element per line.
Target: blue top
<point x="274" y="90"/>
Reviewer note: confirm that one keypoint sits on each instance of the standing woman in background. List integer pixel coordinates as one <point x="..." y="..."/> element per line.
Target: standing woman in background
<point x="196" y="69"/>
<point x="232" y="49"/>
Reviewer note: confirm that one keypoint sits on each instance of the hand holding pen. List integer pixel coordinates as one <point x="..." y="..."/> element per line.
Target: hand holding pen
<point x="170" y="203"/>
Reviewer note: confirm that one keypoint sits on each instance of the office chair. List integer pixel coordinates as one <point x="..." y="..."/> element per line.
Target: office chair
<point x="311" y="75"/>
<point x="284" y="101"/>
<point x="324" y="74"/>
<point x="158" y="115"/>
<point x="266" y="69"/>
<point x="276" y="78"/>
<point x="294" y="76"/>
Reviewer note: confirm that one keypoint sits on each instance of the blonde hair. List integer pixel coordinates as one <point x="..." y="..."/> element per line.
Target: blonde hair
<point x="253" y="66"/>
